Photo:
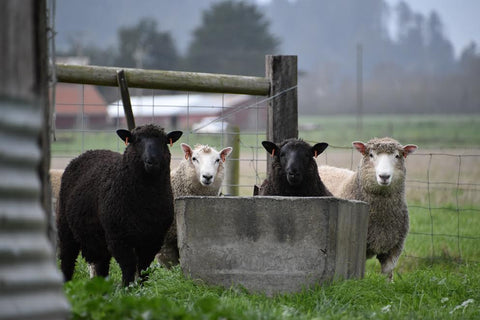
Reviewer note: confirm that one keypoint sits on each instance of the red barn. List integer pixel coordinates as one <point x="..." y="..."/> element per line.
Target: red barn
<point x="79" y="106"/>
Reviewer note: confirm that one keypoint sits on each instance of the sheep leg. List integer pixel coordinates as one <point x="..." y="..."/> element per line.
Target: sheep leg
<point x="145" y="257"/>
<point x="169" y="255"/>
<point x="69" y="249"/>
<point x="100" y="268"/>
<point x="388" y="262"/>
<point x="127" y="261"/>
<point x="96" y="254"/>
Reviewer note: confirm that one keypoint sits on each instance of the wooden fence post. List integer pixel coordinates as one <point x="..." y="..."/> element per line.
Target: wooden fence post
<point x="282" y="112"/>
<point x="232" y="170"/>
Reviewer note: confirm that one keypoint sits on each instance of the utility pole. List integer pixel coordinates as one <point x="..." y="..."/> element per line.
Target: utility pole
<point x="359" y="89"/>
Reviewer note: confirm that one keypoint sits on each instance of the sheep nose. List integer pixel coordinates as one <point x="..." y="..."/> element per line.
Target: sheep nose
<point x="151" y="161"/>
<point x="207" y="177"/>
<point x="384" y="177"/>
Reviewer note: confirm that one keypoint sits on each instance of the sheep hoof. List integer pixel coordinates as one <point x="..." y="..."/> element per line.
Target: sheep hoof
<point x="167" y="260"/>
<point x="390" y="277"/>
<point x="92" y="271"/>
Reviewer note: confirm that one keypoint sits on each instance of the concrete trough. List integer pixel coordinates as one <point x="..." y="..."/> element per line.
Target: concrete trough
<point x="271" y="244"/>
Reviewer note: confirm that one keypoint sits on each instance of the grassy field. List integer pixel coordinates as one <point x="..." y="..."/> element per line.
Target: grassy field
<point x="427" y="131"/>
<point x="437" y="276"/>
<point x="441" y="291"/>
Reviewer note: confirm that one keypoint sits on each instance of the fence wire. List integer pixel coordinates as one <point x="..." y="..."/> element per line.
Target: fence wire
<point x="442" y="189"/>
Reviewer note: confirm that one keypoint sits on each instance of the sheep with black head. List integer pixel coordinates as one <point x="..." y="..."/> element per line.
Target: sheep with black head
<point x="294" y="171"/>
<point x="117" y="205"/>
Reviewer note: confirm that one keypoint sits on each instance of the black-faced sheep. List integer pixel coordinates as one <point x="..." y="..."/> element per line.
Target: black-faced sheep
<point x="379" y="181"/>
<point x="117" y="205"/>
<point x="199" y="174"/>
<point x="294" y="171"/>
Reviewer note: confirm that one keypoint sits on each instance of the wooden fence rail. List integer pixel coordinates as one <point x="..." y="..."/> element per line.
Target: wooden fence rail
<point x="166" y="80"/>
<point x="279" y="85"/>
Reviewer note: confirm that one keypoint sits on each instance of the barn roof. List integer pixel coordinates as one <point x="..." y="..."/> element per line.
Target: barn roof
<point x="73" y="98"/>
<point x="171" y="105"/>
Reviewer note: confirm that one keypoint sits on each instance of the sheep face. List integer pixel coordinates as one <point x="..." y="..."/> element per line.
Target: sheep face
<point x="206" y="161"/>
<point x="295" y="158"/>
<point x="150" y="144"/>
<point x="383" y="161"/>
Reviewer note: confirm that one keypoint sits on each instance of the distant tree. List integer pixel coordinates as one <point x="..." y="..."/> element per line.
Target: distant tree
<point x="411" y="38"/>
<point x="470" y="69"/>
<point x="439" y="49"/>
<point x="470" y="59"/>
<point x="422" y="45"/>
<point x="142" y="46"/>
<point x="233" y="38"/>
<point x="100" y="57"/>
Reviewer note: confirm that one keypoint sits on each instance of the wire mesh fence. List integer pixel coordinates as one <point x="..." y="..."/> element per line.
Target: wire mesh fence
<point x="84" y="121"/>
<point x="442" y="192"/>
<point x="442" y="187"/>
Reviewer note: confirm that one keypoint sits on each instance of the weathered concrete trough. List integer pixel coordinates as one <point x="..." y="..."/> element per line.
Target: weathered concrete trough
<point x="271" y="244"/>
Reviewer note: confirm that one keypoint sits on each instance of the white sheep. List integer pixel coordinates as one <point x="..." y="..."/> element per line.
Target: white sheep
<point x="379" y="181"/>
<point x="55" y="180"/>
<point x="200" y="174"/>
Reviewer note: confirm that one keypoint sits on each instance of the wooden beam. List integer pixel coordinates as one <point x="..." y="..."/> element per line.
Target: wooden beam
<point x="282" y="111"/>
<point x="283" y="105"/>
<point x="127" y="105"/>
<point x="166" y="80"/>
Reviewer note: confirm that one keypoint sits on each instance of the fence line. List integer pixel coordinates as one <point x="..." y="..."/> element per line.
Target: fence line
<point x="446" y="199"/>
<point x="166" y="80"/>
<point x="444" y="202"/>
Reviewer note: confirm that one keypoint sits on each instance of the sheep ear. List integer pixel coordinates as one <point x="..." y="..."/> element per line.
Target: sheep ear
<point x="173" y="136"/>
<point x="271" y="147"/>
<point x="125" y="135"/>
<point x="319" y="148"/>
<point x="187" y="150"/>
<point x="225" y="152"/>
<point x="360" y="146"/>
<point x="409" y="148"/>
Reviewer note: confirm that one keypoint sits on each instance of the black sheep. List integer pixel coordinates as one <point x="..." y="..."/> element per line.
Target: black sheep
<point x="294" y="171"/>
<point x="117" y="205"/>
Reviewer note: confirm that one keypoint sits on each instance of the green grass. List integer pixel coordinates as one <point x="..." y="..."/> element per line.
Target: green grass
<point x="75" y="142"/>
<point x="437" y="276"/>
<point x="444" y="233"/>
<point x="433" y="280"/>
<point x="427" y="131"/>
<point x="429" y="292"/>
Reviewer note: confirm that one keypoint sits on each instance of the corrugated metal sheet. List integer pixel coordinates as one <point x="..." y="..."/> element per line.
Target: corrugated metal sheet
<point x="30" y="284"/>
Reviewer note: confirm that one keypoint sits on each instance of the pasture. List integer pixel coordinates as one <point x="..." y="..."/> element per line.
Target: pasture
<point x="438" y="274"/>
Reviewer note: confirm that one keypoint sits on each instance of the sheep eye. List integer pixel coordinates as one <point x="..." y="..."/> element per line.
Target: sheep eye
<point x="397" y="156"/>
<point x="371" y="155"/>
<point x="194" y="159"/>
<point x="217" y="161"/>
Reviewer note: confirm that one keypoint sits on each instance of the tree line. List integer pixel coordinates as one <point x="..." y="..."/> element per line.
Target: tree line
<point x="414" y="70"/>
<point x="233" y="38"/>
